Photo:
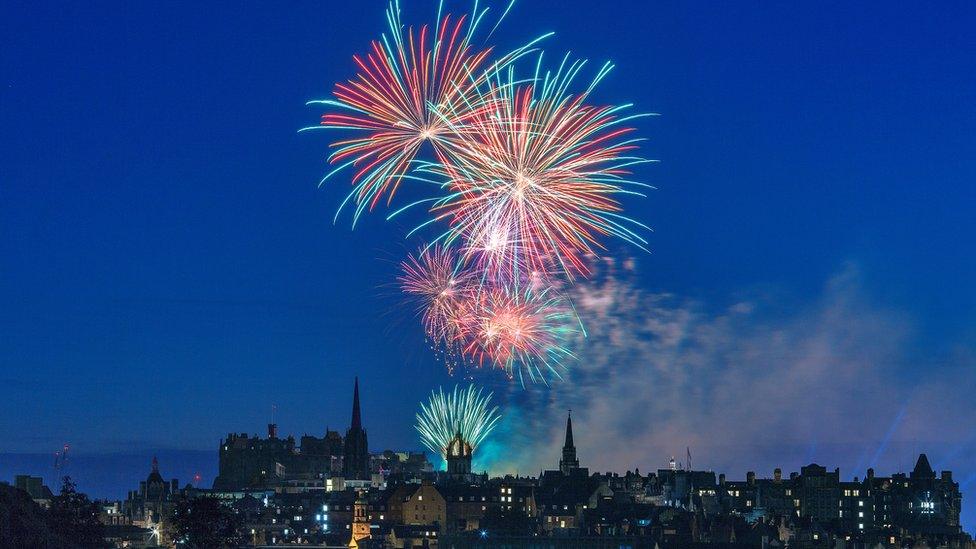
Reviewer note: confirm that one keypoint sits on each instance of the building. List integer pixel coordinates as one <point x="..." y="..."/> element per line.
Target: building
<point x="425" y="506"/>
<point x="35" y="487"/>
<point x="355" y="452"/>
<point x="360" y="530"/>
<point x="152" y="501"/>
<point x="459" y="455"/>
<point x="316" y="463"/>
<point x="569" y="461"/>
<point x="405" y="504"/>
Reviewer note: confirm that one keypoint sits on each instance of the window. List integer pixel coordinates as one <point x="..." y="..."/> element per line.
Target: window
<point x="860" y="514"/>
<point x="860" y="503"/>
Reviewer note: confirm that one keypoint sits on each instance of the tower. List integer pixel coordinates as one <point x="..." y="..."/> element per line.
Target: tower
<point x="569" y="462"/>
<point x="355" y="454"/>
<point x="459" y="454"/>
<point x="360" y="521"/>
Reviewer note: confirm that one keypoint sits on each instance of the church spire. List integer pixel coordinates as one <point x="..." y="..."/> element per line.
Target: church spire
<point x="569" y="461"/>
<point x="357" y="422"/>
<point x="569" y="431"/>
<point x="355" y="448"/>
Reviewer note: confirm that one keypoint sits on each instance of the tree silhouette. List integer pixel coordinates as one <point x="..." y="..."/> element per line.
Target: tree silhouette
<point x="203" y="522"/>
<point x="74" y="518"/>
<point x="23" y="523"/>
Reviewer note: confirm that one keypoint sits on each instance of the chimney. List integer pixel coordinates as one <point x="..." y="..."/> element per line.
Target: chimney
<point x="777" y="474"/>
<point x="272" y="430"/>
<point x="751" y="478"/>
<point x="721" y="479"/>
<point x="870" y="473"/>
<point x="947" y="476"/>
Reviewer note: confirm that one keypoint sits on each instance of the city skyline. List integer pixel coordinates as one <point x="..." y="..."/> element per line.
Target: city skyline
<point x="173" y="267"/>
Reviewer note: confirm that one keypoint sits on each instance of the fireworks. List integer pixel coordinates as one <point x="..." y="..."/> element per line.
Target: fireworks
<point x="523" y="331"/>
<point x="442" y="289"/>
<point x="465" y="411"/>
<point x="522" y="328"/>
<point x="530" y="176"/>
<point x="394" y="103"/>
<point x="534" y="178"/>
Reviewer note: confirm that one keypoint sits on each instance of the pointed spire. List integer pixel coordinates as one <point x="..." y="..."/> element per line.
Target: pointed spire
<point x="569" y="430"/>
<point x="357" y="421"/>
<point x="922" y="468"/>
<point x="155" y="465"/>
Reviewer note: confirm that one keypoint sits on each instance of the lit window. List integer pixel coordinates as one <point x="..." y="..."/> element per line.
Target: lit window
<point x="860" y="503"/>
<point x="860" y="514"/>
<point x="860" y="526"/>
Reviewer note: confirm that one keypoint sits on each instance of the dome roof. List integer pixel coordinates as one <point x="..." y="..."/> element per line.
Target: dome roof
<point x="458" y="447"/>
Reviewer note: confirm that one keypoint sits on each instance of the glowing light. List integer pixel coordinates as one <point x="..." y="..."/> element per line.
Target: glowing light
<point x="467" y="411"/>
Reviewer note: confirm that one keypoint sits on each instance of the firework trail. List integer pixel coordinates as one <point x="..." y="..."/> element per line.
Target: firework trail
<point x="535" y="175"/>
<point x="530" y="177"/>
<point x="405" y="77"/>
<point x="465" y="411"/>
<point x="524" y="331"/>
<point x="524" y="328"/>
<point x="443" y="291"/>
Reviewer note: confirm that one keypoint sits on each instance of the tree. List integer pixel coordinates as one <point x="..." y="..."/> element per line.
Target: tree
<point x="23" y="523"/>
<point x="74" y="518"/>
<point x="203" y="522"/>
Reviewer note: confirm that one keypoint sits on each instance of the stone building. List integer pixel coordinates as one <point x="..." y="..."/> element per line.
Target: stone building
<point x="153" y="500"/>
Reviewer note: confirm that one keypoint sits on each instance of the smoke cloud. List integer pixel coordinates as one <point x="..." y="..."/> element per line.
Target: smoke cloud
<point x="755" y="384"/>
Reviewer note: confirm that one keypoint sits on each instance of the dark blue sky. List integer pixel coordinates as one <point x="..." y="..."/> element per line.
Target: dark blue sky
<point x="169" y="268"/>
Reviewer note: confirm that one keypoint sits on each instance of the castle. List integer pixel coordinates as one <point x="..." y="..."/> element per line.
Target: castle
<point x="251" y="462"/>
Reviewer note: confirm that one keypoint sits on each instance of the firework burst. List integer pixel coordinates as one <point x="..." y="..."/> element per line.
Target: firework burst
<point x="524" y="330"/>
<point x="467" y="411"/>
<point x="405" y="77"/>
<point x="442" y="290"/>
<point x="535" y="177"/>
<point x="530" y="177"/>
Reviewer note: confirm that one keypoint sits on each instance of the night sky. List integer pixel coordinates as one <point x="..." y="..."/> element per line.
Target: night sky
<point x="169" y="268"/>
